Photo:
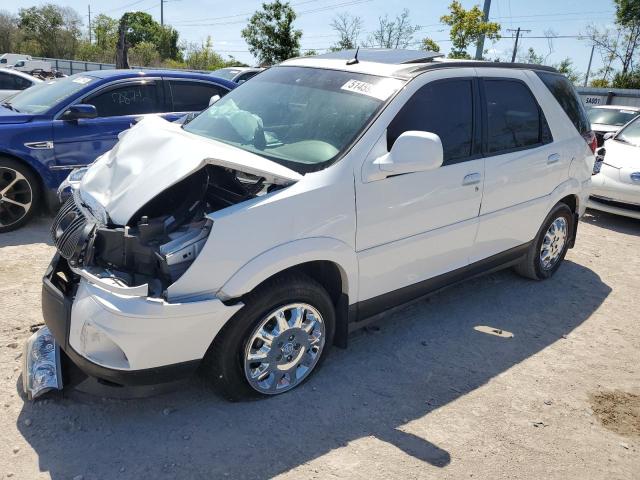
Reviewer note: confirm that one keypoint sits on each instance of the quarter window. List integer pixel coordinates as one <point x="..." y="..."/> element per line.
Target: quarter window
<point x="193" y="96"/>
<point x="132" y="99"/>
<point x="444" y="108"/>
<point x="514" y="120"/>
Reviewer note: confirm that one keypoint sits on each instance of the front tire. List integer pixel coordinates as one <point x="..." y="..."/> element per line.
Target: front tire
<point x="550" y="246"/>
<point x="274" y="342"/>
<point x="19" y="194"/>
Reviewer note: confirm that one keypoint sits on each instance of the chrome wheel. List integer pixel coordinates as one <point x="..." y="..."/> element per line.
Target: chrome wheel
<point x="553" y="243"/>
<point x="284" y="348"/>
<point x="16" y="196"/>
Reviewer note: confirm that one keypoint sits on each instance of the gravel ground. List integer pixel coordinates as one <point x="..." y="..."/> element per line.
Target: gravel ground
<point x="435" y="389"/>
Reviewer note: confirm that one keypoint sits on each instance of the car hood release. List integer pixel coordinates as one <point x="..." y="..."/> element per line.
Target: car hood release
<point x="154" y="155"/>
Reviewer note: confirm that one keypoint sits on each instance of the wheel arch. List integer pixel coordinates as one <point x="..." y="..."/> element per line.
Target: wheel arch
<point x="328" y="261"/>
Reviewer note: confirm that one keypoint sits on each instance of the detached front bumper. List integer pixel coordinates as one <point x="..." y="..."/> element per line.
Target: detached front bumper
<point x="127" y="339"/>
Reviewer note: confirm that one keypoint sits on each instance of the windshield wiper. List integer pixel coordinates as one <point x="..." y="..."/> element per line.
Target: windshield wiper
<point x="10" y="107"/>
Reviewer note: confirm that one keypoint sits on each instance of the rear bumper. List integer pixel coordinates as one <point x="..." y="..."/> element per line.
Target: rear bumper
<point x="124" y="339"/>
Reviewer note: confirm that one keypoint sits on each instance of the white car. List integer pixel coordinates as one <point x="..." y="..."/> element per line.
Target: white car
<point x="237" y="74"/>
<point x="12" y="82"/>
<point x="610" y="118"/>
<point x="324" y="191"/>
<point x="616" y="188"/>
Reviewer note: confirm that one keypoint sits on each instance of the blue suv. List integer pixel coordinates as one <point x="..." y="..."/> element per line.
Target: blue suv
<point x="54" y="127"/>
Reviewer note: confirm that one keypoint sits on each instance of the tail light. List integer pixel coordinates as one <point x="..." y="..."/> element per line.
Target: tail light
<point x="591" y="139"/>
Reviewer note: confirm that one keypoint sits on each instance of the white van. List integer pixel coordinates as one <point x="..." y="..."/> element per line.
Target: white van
<point x="29" y="66"/>
<point x="10" y="59"/>
<point x="327" y="189"/>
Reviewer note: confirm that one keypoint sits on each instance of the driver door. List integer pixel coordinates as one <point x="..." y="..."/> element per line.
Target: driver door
<point x="414" y="227"/>
<point x="79" y="142"/>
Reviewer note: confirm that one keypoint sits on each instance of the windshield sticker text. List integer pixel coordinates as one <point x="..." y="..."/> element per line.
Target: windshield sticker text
<point x="381" y="90"/>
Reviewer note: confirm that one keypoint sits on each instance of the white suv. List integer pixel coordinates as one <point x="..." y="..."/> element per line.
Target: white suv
<point x="249" y="240"/>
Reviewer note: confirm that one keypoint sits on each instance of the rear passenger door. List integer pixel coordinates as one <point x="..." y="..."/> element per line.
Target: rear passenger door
<point x="190" y="96"/>
<point x="522" y="164"/>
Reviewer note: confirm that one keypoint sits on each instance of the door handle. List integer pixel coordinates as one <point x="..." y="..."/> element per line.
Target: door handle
<point x="553" y="158"/>
<point x="471" y="179"/>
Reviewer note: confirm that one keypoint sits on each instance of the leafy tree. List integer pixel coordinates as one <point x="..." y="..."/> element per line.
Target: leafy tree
<point x="144" y="54"/>
<point x="270" y="33"/>
<point x="9" y="32"/>
<point x="599" y="83"/>
<point x="310" y="53"/>
<point x="568" y="70"/>
<point x="348" y="27"/>
<point x="623" y="43"/>
<point x="167" y="43"/>
<point x="430" y="45"/>
<point x="141" y="27"/>
<point x="531" y="57"/>
<point x="397" y="33"/>
<point x="629" y="79"/>
<point x="466" y="28"/>
<point x="105" y="32"/>
<point x="203" y="57"/>
<point x="50" y="30"/>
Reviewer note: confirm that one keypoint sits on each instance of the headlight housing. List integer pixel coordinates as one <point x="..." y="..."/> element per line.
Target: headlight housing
<point x="72" y="182"/>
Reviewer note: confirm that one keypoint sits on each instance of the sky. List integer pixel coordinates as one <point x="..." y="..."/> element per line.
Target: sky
<point x="223" y="21"/>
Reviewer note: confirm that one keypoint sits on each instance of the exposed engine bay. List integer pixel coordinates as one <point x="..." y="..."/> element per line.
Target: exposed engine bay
<point x="162" y="239"/>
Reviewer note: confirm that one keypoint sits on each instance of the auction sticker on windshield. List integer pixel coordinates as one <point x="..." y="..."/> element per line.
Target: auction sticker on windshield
<point x="381" y="90"/>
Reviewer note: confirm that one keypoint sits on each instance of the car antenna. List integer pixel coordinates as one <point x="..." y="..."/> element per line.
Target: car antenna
<point x="354" y="60"/>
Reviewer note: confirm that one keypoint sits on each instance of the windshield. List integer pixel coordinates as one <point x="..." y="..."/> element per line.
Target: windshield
<point x="302" y="118"/>
<point x="611" y="116"/>
<point x="43" y="96"/>
<point x="226" y="73"/>
<point x="630" y="134"/>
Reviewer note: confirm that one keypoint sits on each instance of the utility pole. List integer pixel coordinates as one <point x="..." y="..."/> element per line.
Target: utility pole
<point x="515" y="46"/>
<point x="89" y="6"/>
<point x="485" y="17"/>
<point x="586" y="77"/>
<point x="162" y="12"/>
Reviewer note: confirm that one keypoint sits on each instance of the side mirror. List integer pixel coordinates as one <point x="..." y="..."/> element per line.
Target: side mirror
<point x="412" y="152"/>
<point x="214" y="99"/>
<point x="609" y="135"/>
<point x="76" y="112"/>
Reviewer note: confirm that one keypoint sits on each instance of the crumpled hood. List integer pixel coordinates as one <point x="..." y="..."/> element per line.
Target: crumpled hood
<point x="621" y="155"/>
<point x="154" y="155"/>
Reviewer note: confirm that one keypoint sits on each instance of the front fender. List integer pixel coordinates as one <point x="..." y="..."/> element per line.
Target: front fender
<point x="290" y="254"/>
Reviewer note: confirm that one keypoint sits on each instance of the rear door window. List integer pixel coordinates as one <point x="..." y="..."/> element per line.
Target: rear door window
<point x="442" y="107"/>
<point x="189" y="96"/>
<point x="567" y="97"/>
<point x="514" y="119"/>
<point x="128" y="99"/>
<point x="7" y="82"/>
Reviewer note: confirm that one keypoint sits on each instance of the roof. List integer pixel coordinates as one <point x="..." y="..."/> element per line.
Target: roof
<point x="123" y="73"/>
<point x="398" y="63"/>
<point x="18" y="73"/>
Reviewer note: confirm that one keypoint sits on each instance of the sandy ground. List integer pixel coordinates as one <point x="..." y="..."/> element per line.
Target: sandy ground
<point x="430" y="391"/>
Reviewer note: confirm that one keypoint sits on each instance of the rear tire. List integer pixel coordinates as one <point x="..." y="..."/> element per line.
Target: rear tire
<point x="19" y="194"/>
<point x="255" y="356"/>
<point x="548" y="249"/>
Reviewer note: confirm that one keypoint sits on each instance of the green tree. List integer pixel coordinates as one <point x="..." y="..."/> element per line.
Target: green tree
<point x="396" y="33"/>
<point x="270" y="33"/>
<point x="430" y="45"/>
<point x="466" y="27"/>
<point x="50" y="30"/>
<point x="141" y="27"/>
<point x="105" y="32"/>
<point x="310" y="53"/>
<point x="599" y="83"/>
<point x="566" y="68"/>
<point x="144" y="54"/>
<point x="348" y="28"/>
<point x="203" y="57"/>
<point x="531" y="57"/>
<point x="629" y="79"/>
<point x="9" y="32"/>
<point x="167" y="43"/>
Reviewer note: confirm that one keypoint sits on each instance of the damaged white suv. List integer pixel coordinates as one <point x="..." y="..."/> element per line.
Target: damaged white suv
<point x="249" y="240"/>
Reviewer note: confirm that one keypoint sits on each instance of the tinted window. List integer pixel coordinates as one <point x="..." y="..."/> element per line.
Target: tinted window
<point x="132" y="99"/>
<point x="22" y="83"/>
<point x="513" y="117"/>
<point x="193" y="96"/>
<point x="246" y="76"/>
<point x="611" y="116"/>
<point x="444" y="108"/>
<point x="568" y="99"/>
<point x="7" y="82"/>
